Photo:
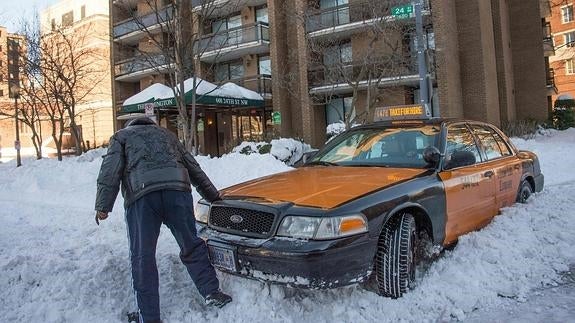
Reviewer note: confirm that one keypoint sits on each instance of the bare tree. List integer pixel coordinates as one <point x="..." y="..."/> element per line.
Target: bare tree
<point x="177" y="31"/>
<point x="74" y="69"/>
<point x="366" y="72"/>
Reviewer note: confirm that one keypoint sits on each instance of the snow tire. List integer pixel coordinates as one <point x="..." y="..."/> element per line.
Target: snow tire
<point x="525" y="191"/>
<point x="395" y="258"/>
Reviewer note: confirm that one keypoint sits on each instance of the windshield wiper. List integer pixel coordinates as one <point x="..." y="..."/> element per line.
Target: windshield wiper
<point x="322" y="163"/>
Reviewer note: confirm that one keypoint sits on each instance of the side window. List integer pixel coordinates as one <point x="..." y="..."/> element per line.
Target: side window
<point x="489" y="146"/>
<point x="493" y="145"/>
<point x="460" y="149"/>
<point x="505" y="150"/>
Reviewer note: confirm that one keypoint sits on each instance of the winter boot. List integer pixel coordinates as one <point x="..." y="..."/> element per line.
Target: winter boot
<point x="218" y="299"/>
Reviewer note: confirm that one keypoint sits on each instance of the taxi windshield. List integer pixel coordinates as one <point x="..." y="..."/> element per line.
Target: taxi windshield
<point x="386" y="147"/>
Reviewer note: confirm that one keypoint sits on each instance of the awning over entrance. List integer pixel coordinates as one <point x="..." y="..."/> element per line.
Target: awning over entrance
<point x="226" y="95"/>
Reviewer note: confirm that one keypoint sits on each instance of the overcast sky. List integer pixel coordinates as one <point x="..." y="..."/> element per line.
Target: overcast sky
<point x="13" y="11"/>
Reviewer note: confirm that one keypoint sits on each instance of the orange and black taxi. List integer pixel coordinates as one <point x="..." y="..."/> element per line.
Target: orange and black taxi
<point x="361" y="206"/>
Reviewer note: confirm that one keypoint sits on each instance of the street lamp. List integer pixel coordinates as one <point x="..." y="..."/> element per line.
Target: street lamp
<point x="15" y="89"/>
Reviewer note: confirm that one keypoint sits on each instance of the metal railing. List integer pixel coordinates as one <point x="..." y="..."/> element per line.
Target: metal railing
<point x="261" y="83"/>
<point x="235" y="37"/>
<point x="140" y="63"/>
<point x="146" y="21"/>
<point x="550" y="79"/>
<point x="353" y="12"/>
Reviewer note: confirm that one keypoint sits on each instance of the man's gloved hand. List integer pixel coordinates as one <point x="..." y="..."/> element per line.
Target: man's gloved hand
<point x="101" y="216"/>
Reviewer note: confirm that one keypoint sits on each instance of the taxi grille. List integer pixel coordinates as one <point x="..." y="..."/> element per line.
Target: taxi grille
<point x="243" y="222"/>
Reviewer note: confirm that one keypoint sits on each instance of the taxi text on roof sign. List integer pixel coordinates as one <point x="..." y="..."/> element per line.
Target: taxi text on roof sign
<point x="399" y="112"/>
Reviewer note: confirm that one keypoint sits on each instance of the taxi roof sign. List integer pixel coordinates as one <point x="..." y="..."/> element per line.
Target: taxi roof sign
<point x="401" y="112"/>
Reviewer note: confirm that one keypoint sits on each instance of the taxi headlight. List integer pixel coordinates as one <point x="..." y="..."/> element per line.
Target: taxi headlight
<point x="202" y="211"/>
<point x="322" y="228"/>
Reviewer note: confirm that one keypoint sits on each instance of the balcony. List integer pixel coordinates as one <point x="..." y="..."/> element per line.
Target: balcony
<point x="133" y="70"/>
<point x="261" y="83"/>
<point x="384" y="71"/>
<point x="350" y="18"/>
<point x="132" y="30"/>
<point x="234" y="43"/>
<point x="550" y="82"/>
<point x="548" y="46"/>
<point x="545" y="8"/>
<point x="222" y="8"/>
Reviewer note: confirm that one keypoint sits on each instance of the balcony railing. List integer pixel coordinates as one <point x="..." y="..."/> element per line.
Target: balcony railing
<point x="261" y="83"/>
<point x="236" y="37"/>
<point x="349" y="13"/>
<point x="146" y="21"/>
<point x="550" y="81"/>
<point x="357" y="71"/>
<point x="140" y="63"/>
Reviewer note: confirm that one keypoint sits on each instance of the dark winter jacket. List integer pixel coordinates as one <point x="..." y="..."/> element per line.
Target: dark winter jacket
<point x="145" y="158"/>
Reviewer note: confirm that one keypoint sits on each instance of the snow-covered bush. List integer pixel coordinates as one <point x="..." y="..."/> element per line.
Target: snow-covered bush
<point x="92" y="155"/>
<point x="334" y="129"/>
<point x="287" y="150"/>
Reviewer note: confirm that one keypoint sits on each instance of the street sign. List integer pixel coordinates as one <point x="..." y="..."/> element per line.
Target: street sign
<point x="149" y="109"/>
<point x="402" y="12"/>
<point x="276" y="118"/>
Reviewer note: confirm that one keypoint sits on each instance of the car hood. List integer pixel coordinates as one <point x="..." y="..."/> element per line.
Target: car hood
<point x="320" y="186"/>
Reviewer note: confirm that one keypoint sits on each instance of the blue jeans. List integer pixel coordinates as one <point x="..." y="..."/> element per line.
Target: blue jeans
<point x="144" y="218"/>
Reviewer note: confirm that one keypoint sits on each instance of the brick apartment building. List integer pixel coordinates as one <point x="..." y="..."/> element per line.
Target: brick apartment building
<point x="562" y="62"/>
<point x="89" y="21"/>
<point x="487" y="60"/>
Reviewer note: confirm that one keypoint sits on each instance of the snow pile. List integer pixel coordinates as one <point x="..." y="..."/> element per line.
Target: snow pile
<point x="287" y="150"/>
<point x="232" y="90"/>
<point x="92" y="155"/>
<point x="334" y="129"/>
<point x="58" y="266"/>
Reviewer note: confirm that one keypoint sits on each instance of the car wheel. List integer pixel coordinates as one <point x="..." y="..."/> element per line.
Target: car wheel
<point x="395" y="258"/>
<point x="525" y="192"/>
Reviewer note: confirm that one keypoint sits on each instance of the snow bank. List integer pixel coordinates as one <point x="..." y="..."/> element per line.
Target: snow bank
<point x="58" y="266"/>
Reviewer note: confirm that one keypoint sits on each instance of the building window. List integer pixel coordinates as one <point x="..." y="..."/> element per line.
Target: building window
<point x="1" y="92"/>
<point x="1" y="77"/>
<point x="83" y="12"/>
<point x="567" y="14"/>
<point x="338" y="54"/>
<point x="262" y="15"/>
<point x="264" y="65"/>
<point x="337" y="110"/>
<point x="229" y="71"/>
<point x="226" y="23"/>
<point x="569" y="39"/>
<point x="53" y="23"/>
<point x="570" y="66"/>
<point x="68" y="19"/>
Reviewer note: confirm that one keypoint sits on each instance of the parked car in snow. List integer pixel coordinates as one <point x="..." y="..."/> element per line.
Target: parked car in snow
<point x="360" y="206"/>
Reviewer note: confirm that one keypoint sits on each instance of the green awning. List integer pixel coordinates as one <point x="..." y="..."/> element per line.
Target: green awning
<point x="228" y="95"/>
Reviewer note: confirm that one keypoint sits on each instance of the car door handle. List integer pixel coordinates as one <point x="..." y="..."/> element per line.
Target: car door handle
<point x="488" y="173"/>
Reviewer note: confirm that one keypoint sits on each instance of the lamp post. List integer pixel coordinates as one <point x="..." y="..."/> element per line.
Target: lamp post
<point x="15" y="89"/>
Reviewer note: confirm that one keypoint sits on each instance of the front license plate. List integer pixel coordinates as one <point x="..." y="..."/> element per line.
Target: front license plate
<point x="223" y="257"/>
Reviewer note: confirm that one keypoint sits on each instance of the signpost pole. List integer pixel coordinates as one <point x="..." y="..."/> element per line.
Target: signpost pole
<point x="421" y="61"/>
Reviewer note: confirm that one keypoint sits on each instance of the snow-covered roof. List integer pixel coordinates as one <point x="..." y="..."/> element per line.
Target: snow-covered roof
<point x="154" y="91"/>
<point x="232" y="90"/>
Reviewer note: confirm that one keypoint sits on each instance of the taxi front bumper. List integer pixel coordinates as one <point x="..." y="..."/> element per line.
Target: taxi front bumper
<point x="298" y="263"/>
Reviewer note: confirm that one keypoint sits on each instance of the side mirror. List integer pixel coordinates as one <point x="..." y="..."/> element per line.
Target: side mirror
<point x="431" y="155"/>
<point x="460" y="159"/>
<point x="309" y="155"/>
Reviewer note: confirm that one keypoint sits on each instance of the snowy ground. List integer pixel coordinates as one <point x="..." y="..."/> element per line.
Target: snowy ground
<point x="58" y="266"/>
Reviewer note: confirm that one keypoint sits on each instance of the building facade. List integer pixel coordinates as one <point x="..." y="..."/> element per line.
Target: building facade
<point x="562" y="62"/>
<point x="319" y="62"/>
<point x="88" y="23"/>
